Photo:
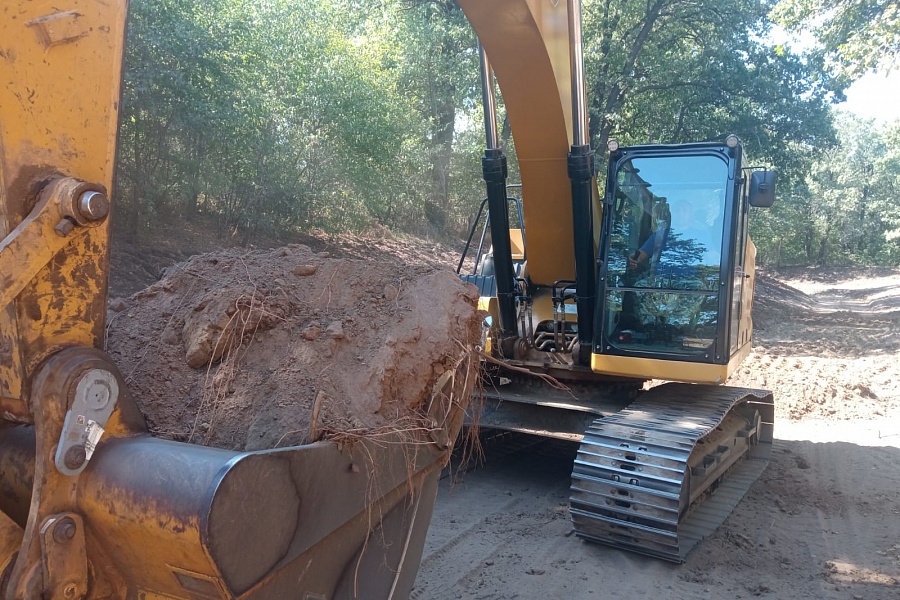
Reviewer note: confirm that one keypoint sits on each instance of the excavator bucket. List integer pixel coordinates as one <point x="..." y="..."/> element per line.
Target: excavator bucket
<point x="92" y="505"/>
<point x="151" y="518"/>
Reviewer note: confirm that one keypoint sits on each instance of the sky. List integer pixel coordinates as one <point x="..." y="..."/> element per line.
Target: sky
<point x="875" y="96"/>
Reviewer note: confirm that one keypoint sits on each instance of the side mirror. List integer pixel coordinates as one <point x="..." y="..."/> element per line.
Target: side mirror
<point x="762" y="189"/>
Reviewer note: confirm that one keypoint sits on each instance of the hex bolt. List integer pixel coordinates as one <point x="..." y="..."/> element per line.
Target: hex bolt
<point x="75" y="457"/>
<point x="64" y="530"/>
<point x="93" y="206"/>
<point x="64" y="227"/>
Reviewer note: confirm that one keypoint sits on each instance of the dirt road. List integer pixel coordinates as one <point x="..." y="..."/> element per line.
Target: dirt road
<point x="823" y="521"/>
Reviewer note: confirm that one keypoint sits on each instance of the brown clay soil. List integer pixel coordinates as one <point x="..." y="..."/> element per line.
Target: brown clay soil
<point x="822" y="522"/>
<point x="252" y="349"/>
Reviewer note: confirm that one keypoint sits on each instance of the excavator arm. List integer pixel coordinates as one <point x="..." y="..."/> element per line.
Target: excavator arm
<point x="527" y="43"/>
<point x="59" y="99"/>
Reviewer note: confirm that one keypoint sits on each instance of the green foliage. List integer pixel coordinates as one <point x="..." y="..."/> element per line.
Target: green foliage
<point x="854" y="36"/>
<point x="270" y="116"/>
<point x="439" y="70"/>
<point x="673" y="71"/>
<point x="847" y="210"/>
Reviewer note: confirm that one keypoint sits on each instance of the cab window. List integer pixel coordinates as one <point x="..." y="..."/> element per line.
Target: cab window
<point x="664" y="253"/>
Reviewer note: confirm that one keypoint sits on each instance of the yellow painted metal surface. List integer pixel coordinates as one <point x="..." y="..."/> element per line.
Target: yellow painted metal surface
<point x="34" y="243"/>
<point x="517" y="244"/>
<point x="745" y="328"/>
<point x="11" y="370"/>
<point x="10" y="540"/>
<point x="527" y="44"/>
<point x="60" y="66"/>
<point x="542" y="307"/>
<point x="669" y="370"/>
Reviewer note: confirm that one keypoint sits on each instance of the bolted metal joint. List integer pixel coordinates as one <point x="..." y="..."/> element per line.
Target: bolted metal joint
<point x="64" y="530"/>
<point x="75" y="457"/>
<point x="81" y="202"/>
<point x="96" y="395"/>
<point x="65" y="226"/>
<point x="63" y="556"/>
<point x="93" y="206"/>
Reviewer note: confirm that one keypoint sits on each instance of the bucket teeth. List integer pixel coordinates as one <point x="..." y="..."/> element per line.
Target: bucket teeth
<point x="633" y="477"/>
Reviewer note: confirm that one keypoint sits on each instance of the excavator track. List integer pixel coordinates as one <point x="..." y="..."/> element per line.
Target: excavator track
<point x="662" y="474"/>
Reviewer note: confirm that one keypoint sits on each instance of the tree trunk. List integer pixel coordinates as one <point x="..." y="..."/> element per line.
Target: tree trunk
<point x="612" y="94"/>
<point x="445" y="121"/>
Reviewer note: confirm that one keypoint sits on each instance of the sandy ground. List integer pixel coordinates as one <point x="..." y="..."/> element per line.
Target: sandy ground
<point x="823" y="521"/>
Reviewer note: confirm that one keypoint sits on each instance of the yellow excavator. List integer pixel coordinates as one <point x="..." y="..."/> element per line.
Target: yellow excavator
<point x="91" y="505"/>
<point x="593" y="296"/>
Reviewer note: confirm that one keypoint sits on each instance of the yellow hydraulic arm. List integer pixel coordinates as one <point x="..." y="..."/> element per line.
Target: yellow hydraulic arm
<point x="60" y="70"/>
<point x="527" y="44"/>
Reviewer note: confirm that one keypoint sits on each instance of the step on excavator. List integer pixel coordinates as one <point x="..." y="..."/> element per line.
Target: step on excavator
<point x="593" y="296"/>
<point x="91" y="505"/>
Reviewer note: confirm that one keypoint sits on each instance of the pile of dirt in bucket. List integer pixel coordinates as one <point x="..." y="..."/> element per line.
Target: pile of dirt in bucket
<point x="263" y="349"/>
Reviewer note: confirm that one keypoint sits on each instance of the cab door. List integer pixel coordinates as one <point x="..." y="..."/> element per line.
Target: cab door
<point x="740" y="325"/>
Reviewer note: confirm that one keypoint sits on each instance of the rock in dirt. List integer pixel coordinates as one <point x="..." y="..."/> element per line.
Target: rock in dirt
<point x="117" y="305"/>
<point x="218" y="353"/>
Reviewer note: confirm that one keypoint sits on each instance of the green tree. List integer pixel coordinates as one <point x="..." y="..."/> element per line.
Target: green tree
<point x="854" y="187"/>
<point x="687" y="70"/>
<point x="440" y="71"/>
<point x="268" y="115"/>
<point x="845" y="212"/>
<point x="274" y="115"/>
<point x="854" y="36"/>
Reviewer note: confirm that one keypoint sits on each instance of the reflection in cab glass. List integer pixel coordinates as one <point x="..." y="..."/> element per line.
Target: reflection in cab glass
<point x="664" y="254"/>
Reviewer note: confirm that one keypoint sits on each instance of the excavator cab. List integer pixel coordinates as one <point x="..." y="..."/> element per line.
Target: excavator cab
<point x="676" y="262"/>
